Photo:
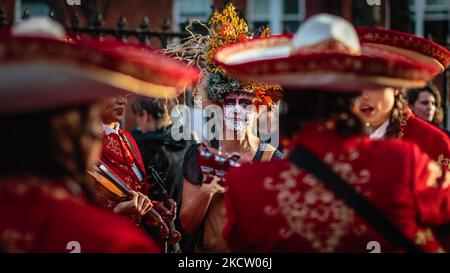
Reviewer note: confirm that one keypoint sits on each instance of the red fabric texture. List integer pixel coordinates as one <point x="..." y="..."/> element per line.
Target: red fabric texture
<point x="429" y="138"/>
<point x="276" y="207"/>
<point x="405" y="41"/>
<point x="389" y="64"/>
<point x="119" y="157"/>
<point x="134" y="60"/>
<point x="43" y="216"/>
<point x="120" y="152"/>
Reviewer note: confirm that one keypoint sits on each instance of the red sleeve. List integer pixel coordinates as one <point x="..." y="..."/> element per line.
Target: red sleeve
<point x="430" y="140"/>
<point x="95" y="229"/>
<point x="431" y="190"/>
<point x="442" y="145"/>
<point x="235" y="240"/>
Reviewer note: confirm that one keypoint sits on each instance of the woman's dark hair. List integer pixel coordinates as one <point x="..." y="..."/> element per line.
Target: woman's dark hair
<point x="413" y="95"/>
<point x="313" y="105"/>
<point x="157" y="108"/>
<point x="46" y="144"/>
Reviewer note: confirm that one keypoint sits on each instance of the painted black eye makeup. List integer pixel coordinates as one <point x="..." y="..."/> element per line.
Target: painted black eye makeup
<point x="230" y="101"/>
<point x="243" y="101"/>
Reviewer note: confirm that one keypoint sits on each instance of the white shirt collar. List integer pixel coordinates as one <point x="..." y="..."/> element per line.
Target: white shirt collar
<point x="108" y="130"/>
<point x="380" y="131"/>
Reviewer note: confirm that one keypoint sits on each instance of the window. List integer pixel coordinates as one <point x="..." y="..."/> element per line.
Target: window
<point x="260" y="14"/>
<point x="292" y="15"/>
<point x="279" y="15"/>
<point x="433" y="10"/>
<point x="190" y="9"/>
<point x="36" y="8"/>
<point x="437" y="10"/>
<point x="431" y="19"/>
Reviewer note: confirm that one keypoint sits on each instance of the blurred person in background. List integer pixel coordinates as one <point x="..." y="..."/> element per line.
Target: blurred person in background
<point x="159" y="149"/>
<point x="426" y="103"/>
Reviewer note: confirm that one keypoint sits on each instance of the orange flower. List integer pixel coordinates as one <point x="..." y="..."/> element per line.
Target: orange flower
<point x="227" y="31"/>
<point x="243" y="38"/>
<point x="259" y="93"/>
<point x="266" y="100"/>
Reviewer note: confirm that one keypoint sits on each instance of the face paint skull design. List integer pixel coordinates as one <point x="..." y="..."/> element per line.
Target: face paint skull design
<point x="238" y="113"/>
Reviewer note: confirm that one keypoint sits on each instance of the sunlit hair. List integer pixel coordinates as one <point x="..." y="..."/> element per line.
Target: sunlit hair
<point x="158" y="108"/>
<point x="413" y="95"/>
<point x="398" y="115"/>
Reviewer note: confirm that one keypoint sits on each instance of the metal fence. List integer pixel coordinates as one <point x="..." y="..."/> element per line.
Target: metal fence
<point x="143" y="33"/>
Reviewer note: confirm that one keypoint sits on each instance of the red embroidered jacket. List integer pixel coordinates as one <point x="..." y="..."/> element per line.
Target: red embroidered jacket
<point x="44" y="216"/>
<point x="120" y="153"/>
<point x="274" y="206"/>
<point x="430" y="139"/>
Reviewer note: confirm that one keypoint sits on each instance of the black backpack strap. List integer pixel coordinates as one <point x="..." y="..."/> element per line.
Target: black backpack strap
<point x="306" y="160"/>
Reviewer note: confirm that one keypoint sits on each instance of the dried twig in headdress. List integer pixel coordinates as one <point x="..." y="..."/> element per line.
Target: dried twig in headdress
<point x="192" y="50"/>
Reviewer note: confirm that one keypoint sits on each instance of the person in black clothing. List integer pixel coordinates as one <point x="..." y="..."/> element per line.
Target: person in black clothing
<point x="159" y="149"/>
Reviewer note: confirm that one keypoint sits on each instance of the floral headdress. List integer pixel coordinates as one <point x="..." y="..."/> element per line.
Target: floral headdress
<point x="225" y="27"/>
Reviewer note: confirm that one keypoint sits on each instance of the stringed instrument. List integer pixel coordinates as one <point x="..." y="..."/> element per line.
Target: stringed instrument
<point x="160" y="183"/>
<point x="213" y="163"/>
<point x="110" y="186"/>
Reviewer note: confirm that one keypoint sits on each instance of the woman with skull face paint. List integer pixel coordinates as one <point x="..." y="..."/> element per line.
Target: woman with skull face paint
<point x="386" y="112"/>
<point x="202" y="203"/>
<point x="201" y="212"/>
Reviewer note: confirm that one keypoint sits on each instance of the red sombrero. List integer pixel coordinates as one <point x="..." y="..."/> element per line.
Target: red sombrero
<point x="324" y="54"/>
<point x="40" y="73"/>
<point x="404" y="43"/>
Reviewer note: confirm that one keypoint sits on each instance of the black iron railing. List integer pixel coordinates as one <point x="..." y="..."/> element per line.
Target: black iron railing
<point x="143" y="33"/>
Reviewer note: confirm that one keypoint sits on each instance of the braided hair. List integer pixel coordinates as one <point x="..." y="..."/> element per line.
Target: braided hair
<point x="397" y="117"/>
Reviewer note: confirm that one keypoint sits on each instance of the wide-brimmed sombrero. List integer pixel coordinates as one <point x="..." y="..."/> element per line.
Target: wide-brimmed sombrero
<point x="42" y="72"/>
<point x="325" y="54"/>
<point x="405" y="43"/>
